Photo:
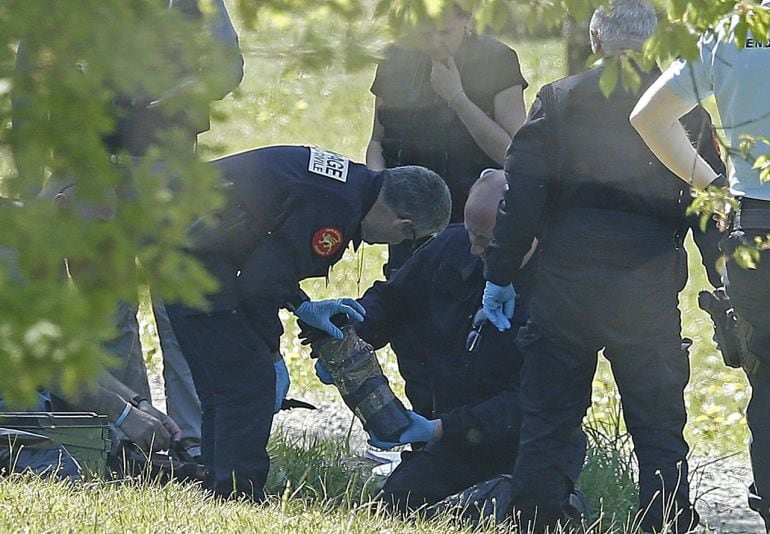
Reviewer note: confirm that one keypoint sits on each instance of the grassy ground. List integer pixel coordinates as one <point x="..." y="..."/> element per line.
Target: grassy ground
<point x="312" y="486"/>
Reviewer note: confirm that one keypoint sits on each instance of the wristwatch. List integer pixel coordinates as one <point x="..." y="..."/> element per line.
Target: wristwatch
<point x="136" y="400"/>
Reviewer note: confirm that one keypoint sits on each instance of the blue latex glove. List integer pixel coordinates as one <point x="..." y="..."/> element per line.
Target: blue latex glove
<point x="318" y="314"/>
<point x="499" y="303"/>
<point x="323" y="375"/>
<point x="282" y="382"/>
<point x="420" y="429"/>
<point x="374" y="441"/>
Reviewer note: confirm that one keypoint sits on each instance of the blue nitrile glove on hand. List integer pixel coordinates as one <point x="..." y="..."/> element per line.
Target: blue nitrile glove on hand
<point x="318" y="314"/>
<point x="323" y="375"/>
<point x="420" y="429"/>
<point x="282" y="382"/>
<point x="499" y="303"/>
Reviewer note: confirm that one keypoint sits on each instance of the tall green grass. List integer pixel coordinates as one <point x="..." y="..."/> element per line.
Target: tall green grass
<point x="313" y="487"/>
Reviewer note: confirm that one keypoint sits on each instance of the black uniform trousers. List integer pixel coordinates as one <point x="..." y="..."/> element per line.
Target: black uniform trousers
<point x="607" y="280"/>
<point x="426" y="476"/>
<point x="232" y="368"/>
<point x="749" y="292"/>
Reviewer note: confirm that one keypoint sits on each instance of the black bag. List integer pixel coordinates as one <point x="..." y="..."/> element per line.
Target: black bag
<point x="492" y="500"/>
<point x="128" y="460"/>
<point x="488" y="500"/>
<point x="22" y="452"/>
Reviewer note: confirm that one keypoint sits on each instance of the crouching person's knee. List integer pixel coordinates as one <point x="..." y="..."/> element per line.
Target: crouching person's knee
<point x="402" y="502"/>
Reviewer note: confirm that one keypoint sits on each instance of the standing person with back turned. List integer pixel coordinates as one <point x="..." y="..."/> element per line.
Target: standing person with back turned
<point x="609" y="219"/>
<point x="739" y="80"/>
<point x="449" y="100"/>
<point x="289" y="213"/>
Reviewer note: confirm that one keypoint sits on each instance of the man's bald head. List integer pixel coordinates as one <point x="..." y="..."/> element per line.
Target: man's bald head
<point x="481" y="208"/>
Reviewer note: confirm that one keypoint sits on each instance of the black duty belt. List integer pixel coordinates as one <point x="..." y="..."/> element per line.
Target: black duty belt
<point x="753" y="215"/>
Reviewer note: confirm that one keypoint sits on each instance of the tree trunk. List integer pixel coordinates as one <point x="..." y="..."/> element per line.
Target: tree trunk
<point x="578" y="44"/>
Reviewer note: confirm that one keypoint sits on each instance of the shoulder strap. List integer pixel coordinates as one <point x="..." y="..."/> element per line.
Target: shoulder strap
<point x="553" y="112"/>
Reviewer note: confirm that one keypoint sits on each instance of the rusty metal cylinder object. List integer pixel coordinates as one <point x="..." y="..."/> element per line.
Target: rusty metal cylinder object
<point x="364" y="388"/>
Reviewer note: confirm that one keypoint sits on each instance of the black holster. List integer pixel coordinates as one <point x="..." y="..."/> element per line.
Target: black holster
<point x="732" y="333"/>
<point x="717" y="305"/>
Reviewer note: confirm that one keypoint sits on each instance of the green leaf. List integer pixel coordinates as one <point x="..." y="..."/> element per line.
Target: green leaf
<point x="747" y="257"/>
<point x="609" y="78"/>
<point x="629" y="76"/>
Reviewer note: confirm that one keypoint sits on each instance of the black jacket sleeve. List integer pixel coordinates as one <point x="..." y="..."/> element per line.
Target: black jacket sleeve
<point x="491" y="421"/>
<point x="381" y="302"/>
<point x="391" y="305"/>
<point x="701" y="131"/>
<point x="527" y="168"/>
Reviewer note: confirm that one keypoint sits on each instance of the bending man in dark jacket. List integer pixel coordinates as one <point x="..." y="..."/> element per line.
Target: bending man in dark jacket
<point x="465" y="391"/>
<point x="289" y="214"/>
<point x="609" y="219"/>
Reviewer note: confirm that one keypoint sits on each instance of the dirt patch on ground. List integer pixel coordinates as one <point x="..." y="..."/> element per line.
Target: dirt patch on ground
<point x="719" y="485"/>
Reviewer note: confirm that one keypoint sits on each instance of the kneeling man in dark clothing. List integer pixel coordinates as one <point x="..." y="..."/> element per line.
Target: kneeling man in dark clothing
<point x="462" y="376"/>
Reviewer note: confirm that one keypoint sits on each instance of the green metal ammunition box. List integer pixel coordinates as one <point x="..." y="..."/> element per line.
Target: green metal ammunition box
<point x="84" y="434"/>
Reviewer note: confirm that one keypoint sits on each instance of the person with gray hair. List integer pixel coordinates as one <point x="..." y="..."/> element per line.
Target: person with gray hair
<point x="610" y="219"/>
<point x="412" y="191"/>
<point x="289" y="214"/>
<point x="626" y="28"/>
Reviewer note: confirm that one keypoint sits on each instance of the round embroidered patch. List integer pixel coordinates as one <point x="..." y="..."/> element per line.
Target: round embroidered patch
<point x="327" y="241"/>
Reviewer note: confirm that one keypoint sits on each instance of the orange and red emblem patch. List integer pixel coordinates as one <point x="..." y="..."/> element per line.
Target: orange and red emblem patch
<point x="327" y="241"/>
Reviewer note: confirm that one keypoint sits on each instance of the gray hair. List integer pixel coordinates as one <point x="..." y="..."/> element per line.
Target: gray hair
<point x="626" y="26"/>
<point x="420" y="195"/>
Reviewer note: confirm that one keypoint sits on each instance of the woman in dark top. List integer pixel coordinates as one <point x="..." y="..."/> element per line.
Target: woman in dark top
<point x="449" y="100"/>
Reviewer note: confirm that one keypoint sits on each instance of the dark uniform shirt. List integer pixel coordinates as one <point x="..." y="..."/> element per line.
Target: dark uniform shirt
<point x="292" y="211"/>
<point x="419" y="127"/>
<point x="428" y="305"/>
<point x="566" y="159"/>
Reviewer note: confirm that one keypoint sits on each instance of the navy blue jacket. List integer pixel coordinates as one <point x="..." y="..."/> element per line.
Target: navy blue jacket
<point x="299" y="214"/>
<point x="425" y="311"/>
<point x="578" y="150"/>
